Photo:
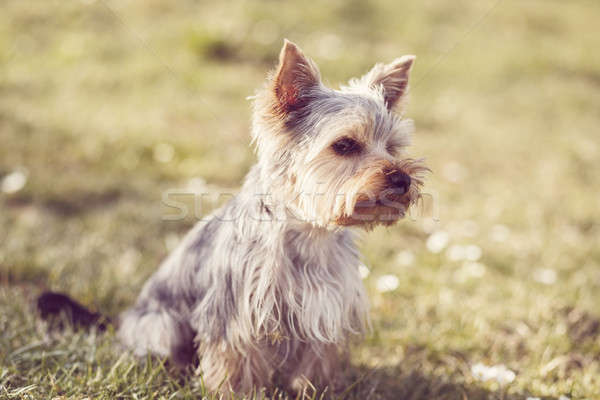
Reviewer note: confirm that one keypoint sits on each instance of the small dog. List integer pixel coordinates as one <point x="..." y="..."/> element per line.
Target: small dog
<point x="268" y="287"/>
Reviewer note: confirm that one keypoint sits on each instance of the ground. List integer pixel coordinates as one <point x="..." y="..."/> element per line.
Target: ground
<point x="106" y="105"/>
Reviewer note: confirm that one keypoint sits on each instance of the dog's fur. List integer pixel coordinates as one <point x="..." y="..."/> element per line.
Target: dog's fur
<point x="269" y="284"/>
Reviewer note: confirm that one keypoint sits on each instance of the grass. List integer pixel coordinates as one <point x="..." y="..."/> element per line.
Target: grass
<point x="105" y="105"/>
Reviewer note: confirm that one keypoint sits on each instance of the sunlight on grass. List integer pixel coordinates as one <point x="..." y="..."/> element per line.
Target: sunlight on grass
<point x="105" y="105"/>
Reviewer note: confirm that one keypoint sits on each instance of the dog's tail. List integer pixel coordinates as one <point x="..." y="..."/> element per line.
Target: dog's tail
<point x="52" y="304"/>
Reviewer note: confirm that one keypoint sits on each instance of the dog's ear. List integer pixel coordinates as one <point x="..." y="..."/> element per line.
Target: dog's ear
<point x="294" y="77"/>
<point x="393" y="80"/>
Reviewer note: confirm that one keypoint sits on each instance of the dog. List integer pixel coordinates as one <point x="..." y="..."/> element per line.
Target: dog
<point x="267" y="288"/>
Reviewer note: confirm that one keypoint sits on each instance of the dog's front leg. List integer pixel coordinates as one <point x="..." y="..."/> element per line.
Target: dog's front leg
<point x="225" y="369"/>
<point x="317" y="368"/>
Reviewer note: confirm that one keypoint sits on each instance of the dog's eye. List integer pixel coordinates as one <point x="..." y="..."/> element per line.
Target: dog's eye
<point x="346" y="146"/>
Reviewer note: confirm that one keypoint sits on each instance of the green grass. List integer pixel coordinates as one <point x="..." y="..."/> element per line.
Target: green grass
<point x="506" y="107"/>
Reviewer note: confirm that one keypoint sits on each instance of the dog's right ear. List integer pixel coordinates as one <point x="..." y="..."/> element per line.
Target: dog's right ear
<point x="294" y="77"/>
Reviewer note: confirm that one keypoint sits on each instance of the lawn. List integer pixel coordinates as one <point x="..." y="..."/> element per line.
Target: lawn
<point x="106" y="105"/>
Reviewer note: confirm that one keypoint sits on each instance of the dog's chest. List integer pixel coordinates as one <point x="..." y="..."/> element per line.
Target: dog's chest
<point x="317" y="289"/>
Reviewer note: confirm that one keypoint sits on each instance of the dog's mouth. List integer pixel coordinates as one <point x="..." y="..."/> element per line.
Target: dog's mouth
<point x="391" y="203"/>
<point x="385" y="205"/>
<point x="381" y="211"/>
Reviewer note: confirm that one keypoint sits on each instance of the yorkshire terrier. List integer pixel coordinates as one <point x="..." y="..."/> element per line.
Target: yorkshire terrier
<point x="267" y="288"/>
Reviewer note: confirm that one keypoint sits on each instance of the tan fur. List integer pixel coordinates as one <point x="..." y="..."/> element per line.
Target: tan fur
<point x="268" y="287"/>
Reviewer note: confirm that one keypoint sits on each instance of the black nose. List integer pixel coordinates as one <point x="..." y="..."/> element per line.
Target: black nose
<point x="399" y="180"/>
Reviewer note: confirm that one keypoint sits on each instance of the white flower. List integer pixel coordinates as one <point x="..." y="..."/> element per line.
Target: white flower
<point x="473" y="252"/>
<point x="481" y="372"/>
<point x="456" y="252"/>
<point x="533" y="398"/>
<point x="405" y="258"/>
<point x="469" y="270"/>
<point x="505" y="376"/>
<point x="387" y="283"/>
<point x="498" y="373"/>
<point x="545" y="276"/>
<point x="363" y="271"/>
<point x="14" y="181"/>
<point x="163" y="152"/>
<point x="437" y="241"/>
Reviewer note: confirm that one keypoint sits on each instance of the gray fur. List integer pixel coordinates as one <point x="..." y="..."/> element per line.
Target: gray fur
<point x="270" y="284"/>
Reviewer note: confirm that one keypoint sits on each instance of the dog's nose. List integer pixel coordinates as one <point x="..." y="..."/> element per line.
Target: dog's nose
<point x="399" y="180"/>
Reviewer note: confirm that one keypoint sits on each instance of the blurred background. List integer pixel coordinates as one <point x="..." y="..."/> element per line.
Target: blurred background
<point x="105" y="105"/>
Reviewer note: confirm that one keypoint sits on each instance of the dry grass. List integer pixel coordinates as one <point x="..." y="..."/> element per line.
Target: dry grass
<point x="93" y="93"/>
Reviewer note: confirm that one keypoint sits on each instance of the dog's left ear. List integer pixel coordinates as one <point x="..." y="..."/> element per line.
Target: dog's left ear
<point x="294" y="77"/>
<point x="393" y="79"/>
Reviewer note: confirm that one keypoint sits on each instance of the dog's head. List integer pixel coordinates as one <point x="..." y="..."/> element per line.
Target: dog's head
<point x="337" y="157"/>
